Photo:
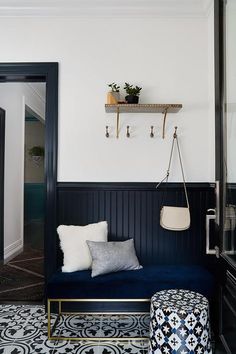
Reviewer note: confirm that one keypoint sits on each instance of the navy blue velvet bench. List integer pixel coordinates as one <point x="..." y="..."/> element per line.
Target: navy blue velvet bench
<point x="123" y="287"/>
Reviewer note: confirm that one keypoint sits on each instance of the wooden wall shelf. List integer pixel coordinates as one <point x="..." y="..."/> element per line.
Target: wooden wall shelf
<point x="142" y="108"/>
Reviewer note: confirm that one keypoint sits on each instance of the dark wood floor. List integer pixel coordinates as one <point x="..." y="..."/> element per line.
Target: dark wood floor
<point x="22" y="278"/>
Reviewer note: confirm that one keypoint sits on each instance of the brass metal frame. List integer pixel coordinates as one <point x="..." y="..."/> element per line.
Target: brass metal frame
<point x="60" y="313"/>
<point x="117" y="122"/>
<point x="164" y="122"/>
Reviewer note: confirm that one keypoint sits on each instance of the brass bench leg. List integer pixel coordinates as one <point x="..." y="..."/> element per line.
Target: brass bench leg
<point x="49" y="320"/>
<point x="51" y="329"/>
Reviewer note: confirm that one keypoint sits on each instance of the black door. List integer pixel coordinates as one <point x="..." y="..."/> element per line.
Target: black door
<point x="2" y="153"/>
<point x="225" y="79"/>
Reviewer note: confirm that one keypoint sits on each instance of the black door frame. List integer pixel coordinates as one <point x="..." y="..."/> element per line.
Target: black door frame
<point x="2" y="160"/>
<point x="43" y="72"/>
<point x="219" y="12"/>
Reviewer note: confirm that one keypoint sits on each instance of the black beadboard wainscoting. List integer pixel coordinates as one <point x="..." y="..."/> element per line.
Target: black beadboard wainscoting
<point x="132" y="210"/>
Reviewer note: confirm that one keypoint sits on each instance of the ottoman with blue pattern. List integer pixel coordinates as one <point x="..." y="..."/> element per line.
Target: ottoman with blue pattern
<point x="179" y="323"/>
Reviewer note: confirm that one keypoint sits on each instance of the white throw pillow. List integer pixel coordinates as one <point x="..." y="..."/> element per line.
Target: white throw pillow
<point x="73" y="244"/>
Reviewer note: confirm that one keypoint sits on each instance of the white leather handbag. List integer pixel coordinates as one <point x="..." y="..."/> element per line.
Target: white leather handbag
<point x="172" y="217"/>
<point x="175" y="218"/>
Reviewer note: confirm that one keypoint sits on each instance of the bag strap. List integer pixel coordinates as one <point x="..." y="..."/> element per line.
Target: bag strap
<point x="182" y="169"/>
<point x="168" y="169"/>
<point x="175" y="138"/>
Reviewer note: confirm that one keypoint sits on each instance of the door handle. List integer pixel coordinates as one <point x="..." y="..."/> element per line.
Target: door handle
<point x="217" y="210"/>
<point x="209" y="217"/>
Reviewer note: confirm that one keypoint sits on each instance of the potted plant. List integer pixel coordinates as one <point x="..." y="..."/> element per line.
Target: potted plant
<point x="132" y="93"/>
<point x="37" y="154"/>
<point x="113" y="96"/>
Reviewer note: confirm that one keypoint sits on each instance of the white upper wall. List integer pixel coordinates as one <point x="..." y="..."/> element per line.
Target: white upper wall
<point x="105" y="8"/>
<point x="168" y="57"/>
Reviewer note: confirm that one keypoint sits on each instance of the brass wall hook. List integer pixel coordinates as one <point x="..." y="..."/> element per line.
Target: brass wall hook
<point x="127" y="132"/>
<point x="175" y="133"/>
<point x="152" y="132"/>
<point x="107" y="131"/>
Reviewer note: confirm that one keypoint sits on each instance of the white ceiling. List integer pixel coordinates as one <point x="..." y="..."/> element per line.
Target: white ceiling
<point x="105" y="8"/>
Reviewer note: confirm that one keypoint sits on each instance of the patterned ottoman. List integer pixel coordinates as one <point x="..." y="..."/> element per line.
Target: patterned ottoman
<point x="179" y="323"/>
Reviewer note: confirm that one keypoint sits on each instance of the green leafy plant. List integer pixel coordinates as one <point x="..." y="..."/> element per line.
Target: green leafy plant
<point x="114" y="87"/>
<point x="36" y="151"/>
<point x="131" y="90"/>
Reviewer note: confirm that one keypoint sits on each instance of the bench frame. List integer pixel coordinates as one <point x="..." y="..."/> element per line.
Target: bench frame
<point x="60" y="313"/>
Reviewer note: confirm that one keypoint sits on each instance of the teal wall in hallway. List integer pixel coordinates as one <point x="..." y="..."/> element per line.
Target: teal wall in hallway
<point x="34" y="194"/>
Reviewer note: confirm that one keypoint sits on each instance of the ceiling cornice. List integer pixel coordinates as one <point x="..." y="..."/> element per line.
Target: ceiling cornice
<point x="106" y="8"/>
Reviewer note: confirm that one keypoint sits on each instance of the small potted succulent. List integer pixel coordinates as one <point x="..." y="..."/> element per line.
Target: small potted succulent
<point x="113" y="96"/>
<point x="37" y="154"/>
<point x="132" y="93"/>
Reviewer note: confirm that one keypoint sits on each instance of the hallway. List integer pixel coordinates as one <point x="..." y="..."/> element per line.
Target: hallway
<point x="22" y="278"/>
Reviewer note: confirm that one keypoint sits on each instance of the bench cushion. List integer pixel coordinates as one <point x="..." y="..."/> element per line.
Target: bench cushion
<point x="139" y="284"/>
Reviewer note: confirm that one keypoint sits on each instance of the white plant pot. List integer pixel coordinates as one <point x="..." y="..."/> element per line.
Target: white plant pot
<point x="37" y="159"/>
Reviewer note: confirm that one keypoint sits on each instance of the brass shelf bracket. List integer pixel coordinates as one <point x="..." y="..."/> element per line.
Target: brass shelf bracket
<point x="117" y="122"/>
<point x="164" y="122"/>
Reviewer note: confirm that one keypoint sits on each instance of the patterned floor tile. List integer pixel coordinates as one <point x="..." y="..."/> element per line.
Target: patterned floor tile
<point x="81" y="326"/>
<point x="87" y="348"/>
<point x="80" y="347"/>
<point x="21" y="313"/>
<point x="114" y="329"/>
<point x="144" y="319"/>
<point x="130" y="347"/>
<point x="20" y="333"/>
<point x="144" y="324"/>
<point x="120" y="317"/>
<point x="23" y="330"/>
<point x="120" y="326"/>
<point x="41" y="344"/>
<point x="16" y="348"/>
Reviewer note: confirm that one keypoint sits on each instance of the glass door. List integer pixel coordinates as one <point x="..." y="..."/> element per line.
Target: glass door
<point x="229" y="231"/>
<point x="225" y="98"/>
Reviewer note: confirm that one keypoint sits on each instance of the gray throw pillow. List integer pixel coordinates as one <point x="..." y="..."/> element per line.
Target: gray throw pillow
<point x="108" y="257"/>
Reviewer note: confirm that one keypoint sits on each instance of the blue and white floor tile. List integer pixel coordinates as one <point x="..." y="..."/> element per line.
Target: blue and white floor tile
<point x="23" y="330"/>
<point x="144" y="321"/>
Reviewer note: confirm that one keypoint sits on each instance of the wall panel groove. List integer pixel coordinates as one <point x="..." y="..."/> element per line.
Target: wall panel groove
<point x="133" y="211"/>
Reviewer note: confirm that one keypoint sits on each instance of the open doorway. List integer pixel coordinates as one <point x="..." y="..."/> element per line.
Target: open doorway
<point x="24" y="190"/>
<point x="34" y="182"/>
<point x="30" y="177"/>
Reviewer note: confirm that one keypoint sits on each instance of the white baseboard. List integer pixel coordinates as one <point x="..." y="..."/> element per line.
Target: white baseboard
<point x="13" y="250"/>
